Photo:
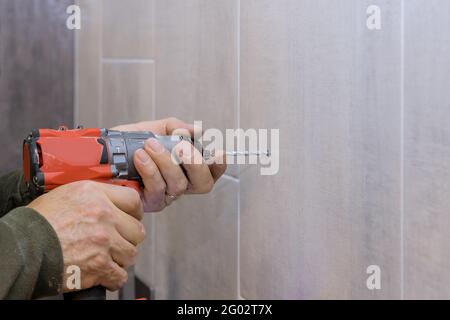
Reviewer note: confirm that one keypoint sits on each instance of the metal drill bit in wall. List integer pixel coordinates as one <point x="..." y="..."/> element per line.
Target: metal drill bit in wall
<point x="248" y="153"/>
<point x="208" y="155"/>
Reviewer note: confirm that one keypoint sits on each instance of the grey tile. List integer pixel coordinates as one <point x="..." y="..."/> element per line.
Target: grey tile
<point x="313" y="70"/>
<point x="36" y="73"/>
<point x="128" y="29"/>
<point x="127" y="93"/>
<point x="87" y="64"/>
<point x="196" y="246"/>
<point x="196" y="75"/>
<point x="427" y="149"/>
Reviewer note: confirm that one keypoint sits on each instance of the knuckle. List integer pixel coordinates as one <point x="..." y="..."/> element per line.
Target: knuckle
<point x="138" y="235"/>
<point x="181" y="186"/>
<point x="116" y="278"/>
<point x="123" y="279"/>
<point x="119" y="274"/>
<point x="100" y="262"/>
<point x="160" y="188"/>
<point x="87" y="186"/>
<point x="98" y="211"/>
<point x="101" y="237"/>
<point x="132" y="255"/>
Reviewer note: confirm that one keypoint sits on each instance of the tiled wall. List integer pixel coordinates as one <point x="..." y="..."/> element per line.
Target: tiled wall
<point x="364" y="171"/>
<point x="36" y="72"/>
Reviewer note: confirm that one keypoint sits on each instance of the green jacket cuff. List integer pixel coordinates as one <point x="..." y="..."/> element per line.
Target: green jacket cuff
<point x="36" y="246"/>
<point x="13" y="192"/>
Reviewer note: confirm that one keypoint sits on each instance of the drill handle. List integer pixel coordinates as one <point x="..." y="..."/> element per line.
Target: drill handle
<point x="96" y="293"/>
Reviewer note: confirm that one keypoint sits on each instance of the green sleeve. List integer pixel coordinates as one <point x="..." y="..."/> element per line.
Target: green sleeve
<point x="31" y="260"/>
<point x="13" y="192"/>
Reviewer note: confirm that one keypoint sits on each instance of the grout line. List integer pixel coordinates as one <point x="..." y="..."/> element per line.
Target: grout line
<point x="153" y="42"/>
<point x="129" y="61"/>
<point x="402" y="148"/>
<point x="154" y="217"/>
<point x="100" y="71"/>
<point x="76" y="76"/>
<point x="153" y="115"/>
<point x="238" y="120"/>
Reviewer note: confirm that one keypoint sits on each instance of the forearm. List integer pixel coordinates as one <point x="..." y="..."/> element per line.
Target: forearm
<point x="31" y="260"/>
<point x="13" y="192"/>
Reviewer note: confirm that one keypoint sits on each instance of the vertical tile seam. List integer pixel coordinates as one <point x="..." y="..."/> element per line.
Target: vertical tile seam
<point x="153" y="219"/>
<point x="153" y="43"/>
<point x="238" y="123"/>
<point x="402" y="148"/>
<point x="76" y="77"/>
<point x="100" y="67"/>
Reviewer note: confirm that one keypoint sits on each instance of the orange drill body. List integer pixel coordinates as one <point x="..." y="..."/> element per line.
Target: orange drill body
<point x="52" y="158"/>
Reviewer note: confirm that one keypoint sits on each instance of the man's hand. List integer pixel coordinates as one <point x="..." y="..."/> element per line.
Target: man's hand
<point x="98" y="228"/>
<point x="165" y="180"/>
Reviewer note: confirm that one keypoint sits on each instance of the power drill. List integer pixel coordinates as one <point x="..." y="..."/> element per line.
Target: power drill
<point x="52" y="158"/>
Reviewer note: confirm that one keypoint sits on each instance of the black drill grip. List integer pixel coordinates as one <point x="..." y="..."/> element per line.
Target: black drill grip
<point x="96" y="293"/>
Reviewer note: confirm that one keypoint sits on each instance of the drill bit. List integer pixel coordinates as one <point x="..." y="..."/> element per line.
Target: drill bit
<point x="248" y="153"/>
<point x="207" y="155"/>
